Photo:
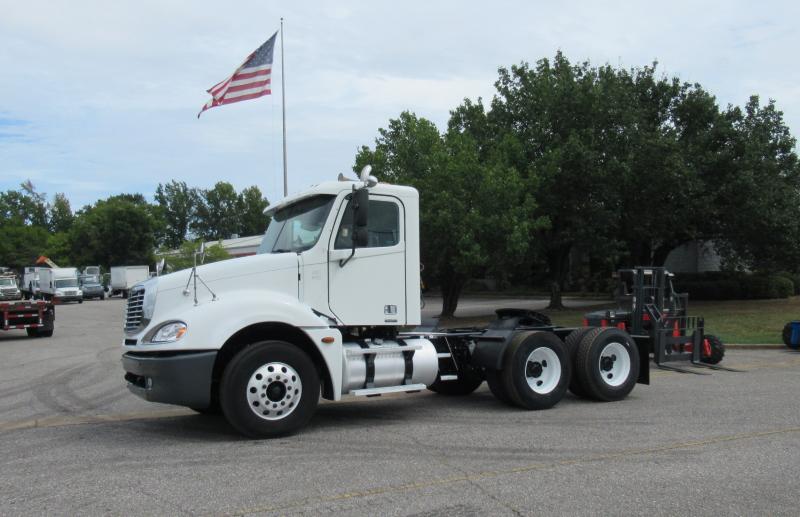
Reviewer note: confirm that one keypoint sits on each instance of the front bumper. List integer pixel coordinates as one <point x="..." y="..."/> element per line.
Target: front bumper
<point x="71" y="298"/>
<point x="183" y="379"/>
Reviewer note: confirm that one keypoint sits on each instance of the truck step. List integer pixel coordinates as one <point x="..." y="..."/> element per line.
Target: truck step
<point x="448" y="377"/>
<point x="372" y="392"/>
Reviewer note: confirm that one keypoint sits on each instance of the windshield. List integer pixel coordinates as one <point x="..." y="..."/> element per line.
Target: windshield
<point x="7" y="281"/>
<point x="297" y="227"/>
<point x="67" y="282"/>
<point x="90" y="280"/>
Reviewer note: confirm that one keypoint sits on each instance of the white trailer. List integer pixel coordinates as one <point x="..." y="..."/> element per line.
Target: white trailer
<point x="323" y="308"/>
<point x="60" y="284"/>
<point x="123" y="278"/>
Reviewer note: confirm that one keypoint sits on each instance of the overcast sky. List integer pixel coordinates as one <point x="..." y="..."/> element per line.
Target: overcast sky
<point x="99" y="98"/>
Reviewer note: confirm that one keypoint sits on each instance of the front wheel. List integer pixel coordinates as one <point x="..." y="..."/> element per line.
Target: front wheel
<point x="269" y="389"/>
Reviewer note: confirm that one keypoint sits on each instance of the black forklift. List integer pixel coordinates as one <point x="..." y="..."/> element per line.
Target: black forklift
<point x="650" y="310"/>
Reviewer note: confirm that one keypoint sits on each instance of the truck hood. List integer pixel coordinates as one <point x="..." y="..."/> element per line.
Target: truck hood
<point x="233" y="274"/>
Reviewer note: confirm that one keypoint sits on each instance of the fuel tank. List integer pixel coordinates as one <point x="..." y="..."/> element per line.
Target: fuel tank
<point x="382" y="363"/>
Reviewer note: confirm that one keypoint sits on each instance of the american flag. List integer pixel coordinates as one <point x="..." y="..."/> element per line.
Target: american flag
<point x="251" y="80"/>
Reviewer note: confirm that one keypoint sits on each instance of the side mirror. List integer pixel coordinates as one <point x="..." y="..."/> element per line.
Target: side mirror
<point x="361" y="208"/>
<point x="360" y="234"/>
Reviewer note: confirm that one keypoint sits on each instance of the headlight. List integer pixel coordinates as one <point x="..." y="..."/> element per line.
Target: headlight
<point x="169" y="332"/>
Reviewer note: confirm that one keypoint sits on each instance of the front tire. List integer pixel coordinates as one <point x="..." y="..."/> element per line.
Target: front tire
<point x="269" y="389"/>
<point x="607" y="364"/>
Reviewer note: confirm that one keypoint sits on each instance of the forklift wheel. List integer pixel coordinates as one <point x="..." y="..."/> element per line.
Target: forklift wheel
<point x="717" y="350"/>
<point x="607" y="364"/>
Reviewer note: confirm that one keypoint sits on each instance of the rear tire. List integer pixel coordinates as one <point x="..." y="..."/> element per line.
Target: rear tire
<point x="536" y="370"/>
<point x="571" y="343"/>
<point x="468" y="381"/>
<point x="717" y="350"/>
<point x="269" y="389"/>
<point x="607" y="364"/>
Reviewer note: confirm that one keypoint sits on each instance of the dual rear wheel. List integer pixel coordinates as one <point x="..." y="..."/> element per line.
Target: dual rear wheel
<point x="605" y="363"/>
<point x="535" y="373"/>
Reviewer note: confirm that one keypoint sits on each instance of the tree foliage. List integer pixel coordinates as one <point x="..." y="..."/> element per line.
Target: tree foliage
<point x="619" y="166"/>
<point x="118" y="231"/>
<point x="177" y="203"/>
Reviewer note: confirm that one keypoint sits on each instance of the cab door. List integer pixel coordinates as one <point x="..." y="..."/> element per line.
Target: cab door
<point x="369" y="288"/>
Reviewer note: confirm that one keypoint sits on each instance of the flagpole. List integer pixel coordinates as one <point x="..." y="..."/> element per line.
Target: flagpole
<point x="283" y="103"/>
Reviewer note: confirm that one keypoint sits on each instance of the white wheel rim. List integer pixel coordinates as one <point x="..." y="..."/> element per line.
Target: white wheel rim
<point x="543" y="370"/>
<point x="614" y="364"/>
<point x="274" y="391"/>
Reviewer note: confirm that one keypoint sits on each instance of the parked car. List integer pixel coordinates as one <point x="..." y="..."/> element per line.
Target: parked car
<point x="92" y="288"/>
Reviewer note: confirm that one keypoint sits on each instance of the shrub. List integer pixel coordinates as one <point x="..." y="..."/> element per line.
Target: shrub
<point x="781" y="287"/>
<point x="721" y="285"/>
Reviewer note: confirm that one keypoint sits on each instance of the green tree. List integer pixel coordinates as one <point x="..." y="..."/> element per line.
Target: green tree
<point x="19" y="207"/>
<point x="551" y="110"/>
<point x="177" y="203"/>
<point x="758" y="195"/>
<point x="21" y="245"/>
<point x="117" y="231"/>
<point x="60" y="214"/>
<point x="251" y="206"/>
<point x="217" y="214"/>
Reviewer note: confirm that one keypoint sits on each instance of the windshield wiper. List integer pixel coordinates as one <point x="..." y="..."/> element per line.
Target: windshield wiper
<point x="281" y="250"/>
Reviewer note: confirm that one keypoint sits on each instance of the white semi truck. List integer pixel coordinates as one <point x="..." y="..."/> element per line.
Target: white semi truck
<point x="325" y="309"/>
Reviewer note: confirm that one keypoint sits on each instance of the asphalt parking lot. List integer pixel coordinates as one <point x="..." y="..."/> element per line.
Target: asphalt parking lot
<point x="74" y="441"/>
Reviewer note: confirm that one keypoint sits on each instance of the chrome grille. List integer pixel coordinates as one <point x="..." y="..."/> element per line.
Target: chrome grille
<point x="133" y="314"/>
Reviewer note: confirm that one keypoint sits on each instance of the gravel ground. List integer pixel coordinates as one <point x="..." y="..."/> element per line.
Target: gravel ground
<point x="74" y="441"/>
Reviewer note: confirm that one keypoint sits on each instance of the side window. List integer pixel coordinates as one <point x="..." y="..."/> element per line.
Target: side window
<point x="383" y="226"/>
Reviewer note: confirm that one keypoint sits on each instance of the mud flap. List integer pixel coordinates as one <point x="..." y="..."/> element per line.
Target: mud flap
<point x="644" y="360"/>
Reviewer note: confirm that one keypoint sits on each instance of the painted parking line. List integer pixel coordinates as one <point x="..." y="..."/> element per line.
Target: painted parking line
<point x="479" y="476"/>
